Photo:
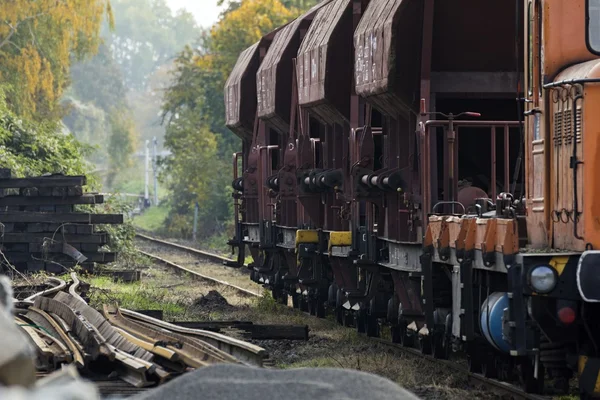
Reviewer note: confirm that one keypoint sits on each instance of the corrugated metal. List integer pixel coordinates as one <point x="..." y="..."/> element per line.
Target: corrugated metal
<point x="275" y="73"/>
<point x="271" y="75"/>
<point x="324" y="66"/>
<point x="241" y="84"/>
<point x="387" y="54"/>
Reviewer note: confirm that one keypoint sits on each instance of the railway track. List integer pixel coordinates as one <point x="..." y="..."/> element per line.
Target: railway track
<point x="496" y="386"/>
<point x="190" y="250"/>
<point x="145" y="351"/>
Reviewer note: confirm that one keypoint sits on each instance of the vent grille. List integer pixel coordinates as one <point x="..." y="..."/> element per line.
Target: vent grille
<point x="558" y="128"/>
<point x="563" y="127"/>
<point x="567" y="127"/>
<point x="578" y="129"/>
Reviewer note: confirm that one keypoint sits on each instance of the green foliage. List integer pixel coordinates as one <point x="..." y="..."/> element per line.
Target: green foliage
<point x="116" y="96"/>
<point x="153" y="219"/>
<point x="121" y="237"/>
<point x="135" y="296"/>
<point x="31" y="148"/>
<point x="193" y="112"/>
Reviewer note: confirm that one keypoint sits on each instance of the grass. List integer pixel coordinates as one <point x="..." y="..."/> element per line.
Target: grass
<point x="136" y="296"/>
<point x="152" y="219"/>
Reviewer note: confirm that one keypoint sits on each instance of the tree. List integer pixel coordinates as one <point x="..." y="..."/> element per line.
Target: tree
<point x="38" y="40"/>
<point x="99" y="114"/>
<point x="32" y="148"/>
<point x="193" y="113"/>
<point x="146" y="36"/>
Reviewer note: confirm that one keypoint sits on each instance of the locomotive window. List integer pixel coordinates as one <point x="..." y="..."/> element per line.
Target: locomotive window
<point x="593" y="25"/>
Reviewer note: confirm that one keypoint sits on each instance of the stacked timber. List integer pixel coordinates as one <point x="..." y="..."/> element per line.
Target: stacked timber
<point x="41" y="228"/>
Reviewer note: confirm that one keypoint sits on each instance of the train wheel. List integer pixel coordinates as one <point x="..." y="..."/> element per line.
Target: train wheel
<point x="339" y="315"/>
<point x="529" y="382"/>
<point x="303" y="301"/>
<point x="295" y="300"/>
<point x="312" y="306"/>
<point x="474" y="363"/>
<point x="488" y="367"/>
<point x="320" y="308"/>
<point x="440" y="346"/>
<point x="372" y="326"/>
<point x="400" y="334"/>
<point x="279" y="295"/>
<point x="425" y="344"/>
<point x="339" y="310"/>
<point x="504" y="370"/>
<point x="332" y="295"/>
<point x="392" y="309"/>
<point x="361" y="321"/>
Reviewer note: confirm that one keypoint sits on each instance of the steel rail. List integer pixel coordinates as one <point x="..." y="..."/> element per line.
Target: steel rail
<point x="77" y="356"/>
<point x="192" y="352"/>
<point x="247" y="353"/>
<point x="492" y="384"/>
<point x="73" y="288"/>
<point x="60" y="285"/>
<point x="199" y="275"/>
<point x="205" y="254"/>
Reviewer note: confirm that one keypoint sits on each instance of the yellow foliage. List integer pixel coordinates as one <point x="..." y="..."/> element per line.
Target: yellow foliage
<point x="37" y="40"/>
<point x="245" y="25"/>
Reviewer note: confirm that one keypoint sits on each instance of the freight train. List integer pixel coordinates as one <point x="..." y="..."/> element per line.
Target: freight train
<point x="429" y="166"/>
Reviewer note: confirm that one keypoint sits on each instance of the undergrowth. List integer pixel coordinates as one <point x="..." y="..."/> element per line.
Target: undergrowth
<point x="136" y="296"/>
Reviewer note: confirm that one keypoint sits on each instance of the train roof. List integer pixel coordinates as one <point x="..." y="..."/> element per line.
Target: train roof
<point x="387" y="60"/>
<point x="324" y="63"/>
<point x="274" y="76"/>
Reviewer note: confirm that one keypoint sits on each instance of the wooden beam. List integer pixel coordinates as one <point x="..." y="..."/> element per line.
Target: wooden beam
<point x="97" y="238"/>
<point x="42" y="217"/>
<point x="44" y="181"/>
<point x="59" y="257"/>
<point x="51" y="201"/>
<point x="474" y="82"/>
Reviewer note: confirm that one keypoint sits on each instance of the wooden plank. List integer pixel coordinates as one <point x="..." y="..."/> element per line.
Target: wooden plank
<point x="51" y="201"/>
<point x="49" y="247"/>
<point x="43" y="182"/>
<point x="70" y="217"/>
<point x="71" y="229"/>
<point x="104" y="257"/>
<point x="97" y="238"/>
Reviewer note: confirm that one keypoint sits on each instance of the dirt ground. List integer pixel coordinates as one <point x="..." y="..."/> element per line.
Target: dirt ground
<point x="183" y="298"/>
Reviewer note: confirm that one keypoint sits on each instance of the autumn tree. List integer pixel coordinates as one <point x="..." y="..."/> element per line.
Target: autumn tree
<point x="38" y="40"/>
<point x="193" y="112"/>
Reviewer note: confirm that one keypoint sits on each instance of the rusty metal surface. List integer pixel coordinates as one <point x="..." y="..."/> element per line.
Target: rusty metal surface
<point x="327" y="47"/>
<point x="240" y="93"/>
<point x="464" y="30"/>
<point x="274" y="74"/>
<point x="387" y="42"/>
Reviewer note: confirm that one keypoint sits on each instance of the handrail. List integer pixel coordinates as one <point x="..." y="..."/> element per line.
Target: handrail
<point x="425" y="138"/>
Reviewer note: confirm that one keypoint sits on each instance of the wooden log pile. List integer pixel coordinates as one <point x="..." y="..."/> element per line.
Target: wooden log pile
<point x="41" y="228"/>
